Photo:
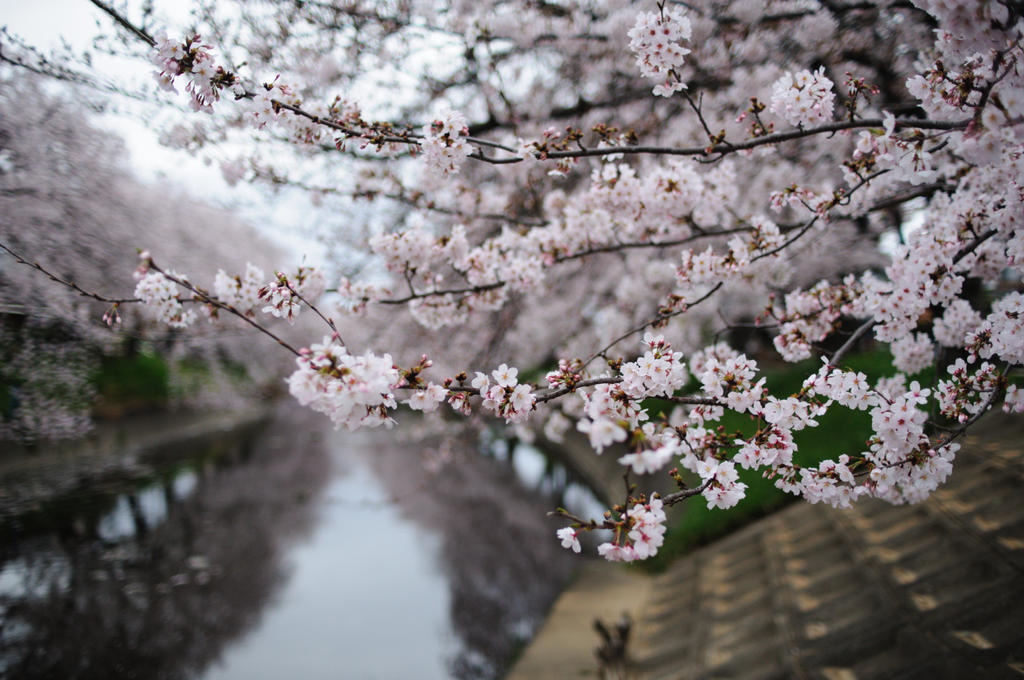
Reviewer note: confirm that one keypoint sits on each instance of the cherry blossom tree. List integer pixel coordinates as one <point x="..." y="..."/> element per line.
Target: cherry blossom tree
<point x="69" y="203"/>
<point x="570" y="204"/>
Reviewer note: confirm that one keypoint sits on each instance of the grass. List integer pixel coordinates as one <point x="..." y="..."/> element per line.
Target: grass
<point x="144" y="381"/>
<point x="839" y="431"/>
<point x="190" y="377"/>
<point x="132" y="383"/>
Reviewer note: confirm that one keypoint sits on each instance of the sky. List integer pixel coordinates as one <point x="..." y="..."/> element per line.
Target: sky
<point x="284" y="218"/>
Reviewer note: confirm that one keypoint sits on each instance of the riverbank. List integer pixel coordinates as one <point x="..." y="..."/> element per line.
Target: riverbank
<point x="114" y="452"/>
<point x="564" y="646"/>
<point x="923" y="588"/>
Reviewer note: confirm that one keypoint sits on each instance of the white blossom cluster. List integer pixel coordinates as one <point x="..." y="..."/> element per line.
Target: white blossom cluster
<point x="655" y="456"/>
<point x="1014" y="400"/>
<point x="496" y="269"/>
<point x="731" y="380"/>
<point x="747" y="257"/>
<point x="656" y="41"/>
<point x="832" y="483"/>
<point x="444" y="145"/>
<point x="241" y="292"/>
<point x="352" y="390"/>
<point x="908" y="161"/>
<point x="606" y="418"/>
<point x="807" y="317"/>
<point x="161" y="298"/>
<point x="428" y="399"/>
<point x="847" y="388"/>
<point x="620" y="204"/>
<point x="912" y="353"/>
<point x="724" y="490"/>
<point x="644" y="534"/>
<point x="959" y="319"/>
<point x="192" y="59"/>
<point x="506" y="397"/>
<point x="803" y="98"/>
<point x="1002" y="333"/>
<point x="353" y="297"/>
<point x="262" y="110"/>
<point x="267" y="109"/>
<point x="265" y="104"/>
<point x="966" y="394"/>
<point x="659" y="372"/>
<point x="412" y="251"/>
<point x="282" y="295"/>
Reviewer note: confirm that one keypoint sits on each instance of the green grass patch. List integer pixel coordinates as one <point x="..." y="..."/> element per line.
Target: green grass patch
<point x="235" y="370"/>
<point x="146" y="381"/>
<point x="839" y="431"/>
<point x="137" y="382"/>
<point x="191" y="376"/>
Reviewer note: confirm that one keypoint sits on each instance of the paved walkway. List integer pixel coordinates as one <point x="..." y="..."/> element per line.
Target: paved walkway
<point x="564" y="646"/>
<point x="928" y="591"/>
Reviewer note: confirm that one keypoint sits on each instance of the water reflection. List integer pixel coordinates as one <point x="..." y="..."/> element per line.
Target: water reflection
<point x="293" y="552"/>
<point x="553" y="480"/>
<point x="154" y="581"/>
<point x="502" y="562"/>
<point x="363" y="597"/>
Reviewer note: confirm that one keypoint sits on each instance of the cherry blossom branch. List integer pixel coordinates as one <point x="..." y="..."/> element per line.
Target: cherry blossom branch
<point x="139" y="33"/>
<point x="414" y="295"/>
<point x="922" y="191"/>
<point x="680" y="496"/>
<point x="974" y="418"/>
<point x="206" y="298"/>
<point x="199" y="294"/>
<point x="725" y="148"/>
<point x="378" y="137"/>
<point x="838" y="200"/>
<point x="429" y="205"/>
<point x="554" y="394"/>
<point x="540" y="398"/>
<point x="986" y="91"/>
<point x="469" y="290"/>
<point x="959" y="431"/>
<point x="696" y="106"/>
<point x="973" y="245"/>
<point x="694" y="401"/>
<point x="664" y="316"/>
<point x="31" y="59"/>
<point x="660" y="318"/>
<point x="588" y="524"/>
<point x="359" y="16"/>
<point x="617" y="247"/>
<point x="590" y="382"/>
<point x="68" y="284"/>
<point x="383" y="133"/>
<point x="316" y="310"/>
<point x="837" y="358"/>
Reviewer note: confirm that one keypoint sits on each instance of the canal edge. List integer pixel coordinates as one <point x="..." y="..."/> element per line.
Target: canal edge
<point x="565" y="645"/>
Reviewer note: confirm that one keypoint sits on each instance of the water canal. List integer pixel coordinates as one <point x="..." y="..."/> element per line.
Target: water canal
<point x="286" y="549"/>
